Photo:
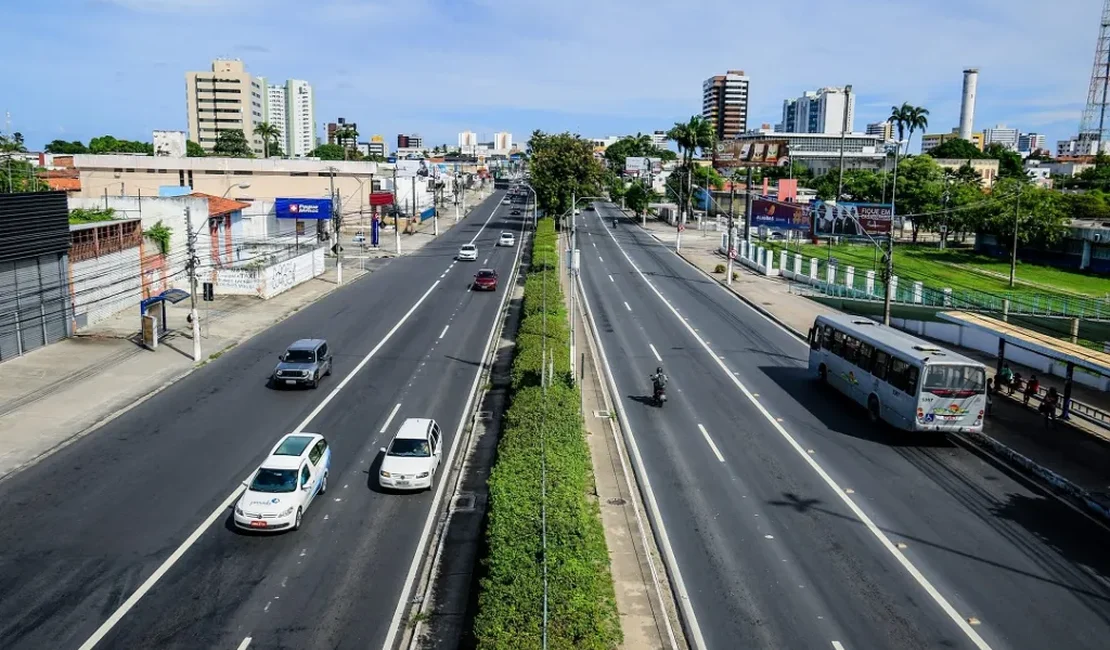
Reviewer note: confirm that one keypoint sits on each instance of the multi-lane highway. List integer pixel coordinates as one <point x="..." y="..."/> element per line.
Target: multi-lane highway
<point x="124" y="538"/>
<point x="794" y="522"/>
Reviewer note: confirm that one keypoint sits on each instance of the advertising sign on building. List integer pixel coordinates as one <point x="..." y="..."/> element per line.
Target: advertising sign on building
<point x="780" y="216"/>
<point x="850" y="219"/>
<point x="734" y="153"/>
<point x="639" y="165"/>
<point x="302" y="209"/>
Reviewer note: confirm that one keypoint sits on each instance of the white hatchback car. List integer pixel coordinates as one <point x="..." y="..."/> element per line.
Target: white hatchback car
<point x="289" y="480"/>
<point x="412" y="457"/>
<point x="468" y="252"/>
<point x="506" y="239"/>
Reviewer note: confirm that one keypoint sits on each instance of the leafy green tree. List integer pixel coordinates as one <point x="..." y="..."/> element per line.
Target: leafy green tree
<point x="563" y="165"/>
<point x="276" y="150"/>
<point x="957" y="148"/>
<point x="194" y="150"/>
<point x="107" y="144"/>
<point x="920" y="192"/>
<point x="66" y="148"/>
<point x="12" y="143"/>
<point x="328" y="152"/>
<point x="233" y="144"/>
<point x="1010" y="164"/>
<point x="1093" y="205"/>
<point x="1041" y="214"/>
<point x="638" y="196"/>
<point x="638" y="145"/>
<point x="268" y="132"/>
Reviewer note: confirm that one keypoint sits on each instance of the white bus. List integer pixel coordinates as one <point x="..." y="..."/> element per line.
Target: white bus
<point x="910" y="383"/>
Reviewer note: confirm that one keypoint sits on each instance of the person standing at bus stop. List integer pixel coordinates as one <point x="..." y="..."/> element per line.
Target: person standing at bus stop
<point x="1006" y="378"/>
<point x="1031" y="389"/>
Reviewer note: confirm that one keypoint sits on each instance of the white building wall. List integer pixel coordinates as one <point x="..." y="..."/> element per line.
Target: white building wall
<point x="105" y="285"/>
<point x="169" y="143"/>
<point x="272" y="280"/>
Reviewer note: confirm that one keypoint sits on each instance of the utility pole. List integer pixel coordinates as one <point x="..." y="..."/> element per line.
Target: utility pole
<point x="191" y="266"/>
<point x="435" y="206"/>
<point x="888" y="272"/>
<point x="731" y="213"/>
<point x="396" y="212"/>
<point x="944" y="220"/>
<point x="1013" y="250"/>
<point x="748" y="205"/>
<point x="337" y="222"/>
<point x="456" y="189"/>
<point x="414" y="206"/>
<point x="843" y="140"/>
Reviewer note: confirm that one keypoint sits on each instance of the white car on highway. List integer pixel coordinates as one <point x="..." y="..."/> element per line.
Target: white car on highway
<point x="506" y="239"/>
<point x="468" y="252"/>
<point x="412" y="457"/>
<point x="289" y="480"/>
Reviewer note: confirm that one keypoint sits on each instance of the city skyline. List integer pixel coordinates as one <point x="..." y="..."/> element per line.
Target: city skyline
<point x="564" y="89"/>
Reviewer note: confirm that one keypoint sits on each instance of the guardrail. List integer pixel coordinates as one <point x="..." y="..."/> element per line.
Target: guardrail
<point x="1091" y="414"/>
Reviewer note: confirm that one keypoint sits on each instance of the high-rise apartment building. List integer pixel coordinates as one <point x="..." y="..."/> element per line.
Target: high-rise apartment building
<point x="659" y="139"/>
<point x="468" y="139"/>
<point x="300" y="110"/>
<point x="273" y="111"/>
<point x="343" y="133"/>
<point x="502" y="141"/>
<point x="224" y="99"/>
<point x="820" y="111"/>
<point x="725" y="103"/>
<point x="884" y="130"/>
<point x="377" y="146"/>
<point x="1030" y="142"/>
<point x="1002" y="135"/>
<point x="413" y="140"/>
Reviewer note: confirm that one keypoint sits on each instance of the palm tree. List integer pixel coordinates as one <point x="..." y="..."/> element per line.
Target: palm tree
<point x="916" y="119"/>
<point x="267" y="132"/>
<point x="690" y="136"/>
<point x="898" y="115"/>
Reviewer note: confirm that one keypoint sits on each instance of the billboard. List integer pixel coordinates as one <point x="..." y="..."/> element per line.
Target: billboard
<point x="734" y="153"/>
<point x="780" y="216"/>
<point x="850" y="219"/>
<point x="305" y="209"/>
<point x="409" y="168"/>
<point x="639" y="165"/>
<point x="381" y="198"/>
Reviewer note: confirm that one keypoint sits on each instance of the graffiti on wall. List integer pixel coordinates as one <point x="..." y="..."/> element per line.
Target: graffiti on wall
<point x="282" y="277"/>
<point x="238" y="282"/>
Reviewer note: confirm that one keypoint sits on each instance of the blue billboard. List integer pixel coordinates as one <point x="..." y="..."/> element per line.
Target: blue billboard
<point x="427" y="214"/>
<point x="303" y="209"/>
<point x="779" y="216"/>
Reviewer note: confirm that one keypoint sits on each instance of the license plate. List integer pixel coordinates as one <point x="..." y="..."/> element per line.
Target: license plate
<point x="258" y="524"/>
<point x="291" y="382"/>
<point x="402" y="483"/>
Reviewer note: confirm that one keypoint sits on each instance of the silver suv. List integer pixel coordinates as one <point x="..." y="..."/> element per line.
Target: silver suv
<point x="303" y="364"/>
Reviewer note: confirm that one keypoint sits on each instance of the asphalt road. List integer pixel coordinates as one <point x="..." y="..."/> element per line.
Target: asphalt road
<point x="772" y="555"/>
<point x="88" y="525"/>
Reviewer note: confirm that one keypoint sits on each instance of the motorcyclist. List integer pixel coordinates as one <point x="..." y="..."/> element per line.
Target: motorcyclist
<point x="614" y="222"/>
<point x="659" y="380"/>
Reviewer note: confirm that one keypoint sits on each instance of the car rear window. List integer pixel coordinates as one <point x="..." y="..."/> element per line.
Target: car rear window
<point x="486" y="274"/>
<point x="293" y="446"/>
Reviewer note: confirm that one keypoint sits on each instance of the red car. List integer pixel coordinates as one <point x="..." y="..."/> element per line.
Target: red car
<point x="485" y="280"/>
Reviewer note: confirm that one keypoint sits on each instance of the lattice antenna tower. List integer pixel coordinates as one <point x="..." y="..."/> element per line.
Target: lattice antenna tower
<point x="1095" y="124"/>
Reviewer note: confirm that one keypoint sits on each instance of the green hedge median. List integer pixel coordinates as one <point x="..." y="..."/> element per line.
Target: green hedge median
<point x="582" y="611"/>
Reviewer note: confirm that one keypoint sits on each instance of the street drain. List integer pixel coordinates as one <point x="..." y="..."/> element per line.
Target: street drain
<point x="602" y="415"/>
<point x="464" y="503"/>
<point x="616" y="502"/>
<point x="485" y="415"/>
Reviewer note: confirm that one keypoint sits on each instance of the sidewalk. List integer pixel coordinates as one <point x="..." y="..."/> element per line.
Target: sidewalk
<point x="60" y="392"/>
<point x="1072" y="456"/>
<point x="649" y="620"/>
<point x="410" y="242"/>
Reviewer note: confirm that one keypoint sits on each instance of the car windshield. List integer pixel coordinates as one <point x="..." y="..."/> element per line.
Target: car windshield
<point x="954" y="381"/>
<point x="300" y="356"/>
<point x="410" y="447"/>
<point x="274" y="480"/>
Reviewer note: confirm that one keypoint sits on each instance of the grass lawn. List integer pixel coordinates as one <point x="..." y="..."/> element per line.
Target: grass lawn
<point x="961" y="269"/>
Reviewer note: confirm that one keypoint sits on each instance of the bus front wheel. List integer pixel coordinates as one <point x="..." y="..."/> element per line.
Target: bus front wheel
<point x="873" y="411"/>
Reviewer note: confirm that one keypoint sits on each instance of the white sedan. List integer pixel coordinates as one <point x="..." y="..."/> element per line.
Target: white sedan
<point x="506" y="239"/>
<point x="289" y="480"/>
<point x="468" y="252"/>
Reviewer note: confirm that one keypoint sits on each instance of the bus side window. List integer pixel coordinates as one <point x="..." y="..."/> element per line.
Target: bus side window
<point x="903" y="376"/>
<point x="851" y="349"/>
<point x="837" y="346"/>
<point x="826" y="337"/>
<point x="879" y="365"/>
<point x="866" y="351"/>
<point x="815" y="337"/>
<point x="911" y="380"/>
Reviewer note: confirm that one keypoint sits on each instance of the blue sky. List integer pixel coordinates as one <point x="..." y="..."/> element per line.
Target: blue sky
<point x="80" y="68"/>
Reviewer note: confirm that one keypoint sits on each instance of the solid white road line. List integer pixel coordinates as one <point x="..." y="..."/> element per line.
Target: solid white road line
<point x="627" y="307"/>
<point x="712" y="444"/>
<point x="486" y="223"/>
<point x="246" y="642"/>
<point x="871" y="526"/>
<point x="697" y="642"/>
<point x="444" y="332"/>
<point x="611" y="278"/>
<point x="837" y="646"/>
<point x="390" y="418"/>
<point x="221" y="510"/>
<point x="655" y="352"/>
<point x="410" y="578"/>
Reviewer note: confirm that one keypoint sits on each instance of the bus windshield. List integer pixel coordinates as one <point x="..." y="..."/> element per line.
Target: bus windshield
<point x="954" y="380"/>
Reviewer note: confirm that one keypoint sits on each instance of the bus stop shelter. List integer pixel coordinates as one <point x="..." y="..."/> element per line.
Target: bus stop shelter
<point x="1071" y="355"/>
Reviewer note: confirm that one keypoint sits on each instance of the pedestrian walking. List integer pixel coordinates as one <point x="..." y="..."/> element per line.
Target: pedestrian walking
<point x="990" y="395"/>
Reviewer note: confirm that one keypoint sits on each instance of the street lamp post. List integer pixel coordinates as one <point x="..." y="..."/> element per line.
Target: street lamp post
<point x="889" y="271"/>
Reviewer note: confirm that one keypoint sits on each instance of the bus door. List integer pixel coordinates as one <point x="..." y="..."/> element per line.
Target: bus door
<point x="900" y="400"/>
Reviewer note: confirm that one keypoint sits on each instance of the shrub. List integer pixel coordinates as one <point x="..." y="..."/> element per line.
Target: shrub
<point x="582" y="610"/>
<point x="720" y="268"/>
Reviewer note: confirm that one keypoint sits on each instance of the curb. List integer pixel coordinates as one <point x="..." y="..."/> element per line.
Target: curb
<point x="1043" y="476"/>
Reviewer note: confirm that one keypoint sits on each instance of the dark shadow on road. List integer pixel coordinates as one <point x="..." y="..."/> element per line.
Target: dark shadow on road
<point x="1078" y="541"/>
<point x="646" y="400"/>
<point x="841" y="415"/>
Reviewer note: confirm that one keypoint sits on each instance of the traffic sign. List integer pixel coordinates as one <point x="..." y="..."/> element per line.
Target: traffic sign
<point x="732" y="253"/>
<point x="209" y="292"/>
<point x="681" y="228"/>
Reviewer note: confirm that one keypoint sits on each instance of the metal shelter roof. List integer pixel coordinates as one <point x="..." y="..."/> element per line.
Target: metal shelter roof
<point x="1089" y="359"/>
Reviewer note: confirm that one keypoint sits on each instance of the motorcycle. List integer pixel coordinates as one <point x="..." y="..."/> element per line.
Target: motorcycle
<point x="659" y="395"/>
<point x="614" y="223"/>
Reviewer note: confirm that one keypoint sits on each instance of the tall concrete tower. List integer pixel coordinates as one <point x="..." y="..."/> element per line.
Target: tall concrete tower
<point x="967" y="103"/>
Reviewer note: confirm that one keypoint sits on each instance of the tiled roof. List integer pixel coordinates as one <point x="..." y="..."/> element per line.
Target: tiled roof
<point x="64" y="184"/>
<point x="218" y="206"/>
